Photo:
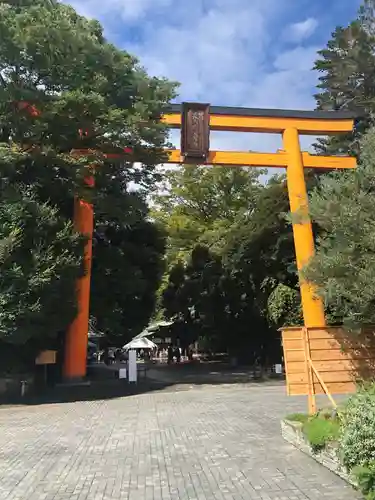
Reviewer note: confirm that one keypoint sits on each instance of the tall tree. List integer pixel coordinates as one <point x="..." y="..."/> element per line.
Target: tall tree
<point x="208" y="304"/>
<point x="197" y="205"/>
<point x="127" y="269"/>
<point x="260" y="255"/>
<point x="40" y="259"/>
<point x="192" y="295"/>
<point x="260" y="246"/>
<point x="347" y="81"/>
<point x="343" y="267"/>
<point x="225" y="287"/>
<point x="63" y="87"/>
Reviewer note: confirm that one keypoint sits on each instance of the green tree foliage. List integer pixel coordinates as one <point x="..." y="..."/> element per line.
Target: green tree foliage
<point x="260" y="246"/>
<point x="64" y="87"/>
<point x="127" y="271"/>
<point x="347" y="81"/>
<point x="357" y="440"/>
<point x="195" y="296"/>
<point x="343" y="267"/>
<point x="199" y="204"/>
<point x="208" y="304"/>
<point x="40" y="259"/>
<point x="260" y="254"/>
<point x="340" y="204"/>
<point x="240" y="255"/>
<point x="284" y="306"/>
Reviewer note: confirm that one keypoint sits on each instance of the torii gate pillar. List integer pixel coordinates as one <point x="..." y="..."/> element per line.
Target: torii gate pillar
<point x="75" y="358"/>
<point x="312" y="306"/>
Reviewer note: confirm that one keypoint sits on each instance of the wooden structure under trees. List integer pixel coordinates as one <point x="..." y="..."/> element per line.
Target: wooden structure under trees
<point x="196" y="120"/>
<point x="326" y="360"/>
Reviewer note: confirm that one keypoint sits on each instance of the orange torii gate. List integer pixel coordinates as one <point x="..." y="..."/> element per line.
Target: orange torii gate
<point x="196" y="120"/>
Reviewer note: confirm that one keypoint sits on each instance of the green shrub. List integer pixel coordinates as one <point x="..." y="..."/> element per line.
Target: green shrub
<point x="357" y="440"/>
<point x="297" y="417"/>
<point x="319" y="430"/>
<point x="365" y="477"/>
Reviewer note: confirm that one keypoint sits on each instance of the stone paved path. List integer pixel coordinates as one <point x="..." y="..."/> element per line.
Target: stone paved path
<point x="207" y="443"/>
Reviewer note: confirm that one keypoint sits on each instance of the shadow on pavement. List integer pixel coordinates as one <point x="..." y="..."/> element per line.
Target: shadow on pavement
<point x="174" y="378"/>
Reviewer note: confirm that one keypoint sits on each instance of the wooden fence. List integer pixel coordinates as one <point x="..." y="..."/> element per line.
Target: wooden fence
<point x="327" y="360"/>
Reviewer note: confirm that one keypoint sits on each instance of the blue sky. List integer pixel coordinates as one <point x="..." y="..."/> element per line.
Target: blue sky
<point x="254" y="53"/>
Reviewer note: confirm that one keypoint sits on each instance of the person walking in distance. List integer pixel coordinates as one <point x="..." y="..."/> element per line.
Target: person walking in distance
<point x="178" y="354"/>
<point x="170" y="354"/>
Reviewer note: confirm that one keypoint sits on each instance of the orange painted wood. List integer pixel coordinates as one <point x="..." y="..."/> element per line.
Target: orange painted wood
<point x="340" y="359"/>
<point x="274" y="125"/>
<point x="295" y="355"/>
<point x="77" y="334"/>
<point x="334" y="388"/>
<point x="269" y="160"/>
<point x="339" y="376"/>
<point x="293" y="335"/>
<point x="326" y="333"/>
<point x="297" y="366"/>
<point x="337" y="354"/>
<point x="329" y="343"/>
<point x="292" y="344"/>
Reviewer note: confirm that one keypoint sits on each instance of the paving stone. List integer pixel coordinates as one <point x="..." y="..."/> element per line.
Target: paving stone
<point x="208" y="443"/>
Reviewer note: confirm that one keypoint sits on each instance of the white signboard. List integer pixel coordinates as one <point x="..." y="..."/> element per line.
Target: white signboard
<point x="122" y="373"/>
<point x="132" y="365"/>
<point x="278" y="369"/>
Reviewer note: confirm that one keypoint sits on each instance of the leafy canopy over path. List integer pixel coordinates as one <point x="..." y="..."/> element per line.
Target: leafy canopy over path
<point x="63" y="87"/>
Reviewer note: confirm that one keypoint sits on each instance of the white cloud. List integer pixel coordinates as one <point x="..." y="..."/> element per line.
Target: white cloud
<point x="220" y="51"/>
<point x="299" y="59"/>
<point x="127" y="10"/>
<point x="212" y="52"/>
<point x="300" y="31"/>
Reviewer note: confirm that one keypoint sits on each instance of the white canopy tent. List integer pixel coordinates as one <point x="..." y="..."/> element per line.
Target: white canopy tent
<point x="139" y="343"/>
<point x="153" y="328"/>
